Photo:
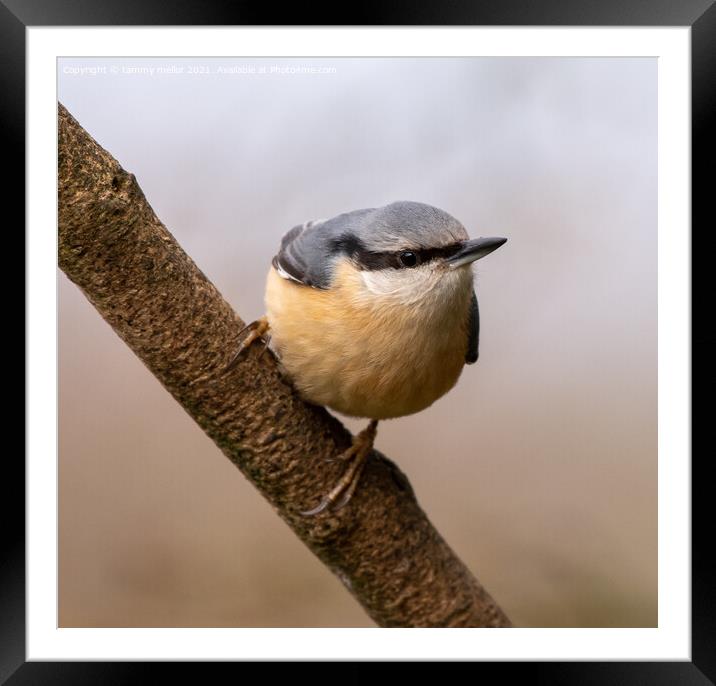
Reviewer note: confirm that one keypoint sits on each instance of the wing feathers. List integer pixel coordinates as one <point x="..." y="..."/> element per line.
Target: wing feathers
<point x="473" y="332"/>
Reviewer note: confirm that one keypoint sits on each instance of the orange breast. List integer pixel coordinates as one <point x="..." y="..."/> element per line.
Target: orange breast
<point x="363" y="355"/>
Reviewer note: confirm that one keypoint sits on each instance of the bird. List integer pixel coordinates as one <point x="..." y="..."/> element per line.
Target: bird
<point x="372" y="313"/>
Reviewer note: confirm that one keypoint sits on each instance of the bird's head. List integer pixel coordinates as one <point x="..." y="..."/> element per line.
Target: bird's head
<point x="405" y="252"/>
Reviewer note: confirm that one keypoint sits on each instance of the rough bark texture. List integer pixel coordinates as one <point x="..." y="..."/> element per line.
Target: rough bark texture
<point x="381" y="546"/>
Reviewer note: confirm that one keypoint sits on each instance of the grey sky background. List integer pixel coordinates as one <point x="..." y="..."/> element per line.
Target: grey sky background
<point x="539" y="468"/>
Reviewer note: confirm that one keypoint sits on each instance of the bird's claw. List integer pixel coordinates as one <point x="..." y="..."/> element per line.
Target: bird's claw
<point x="325" y="502"/>
<point x="343" y="491"/>
<point x="256" y="330"/>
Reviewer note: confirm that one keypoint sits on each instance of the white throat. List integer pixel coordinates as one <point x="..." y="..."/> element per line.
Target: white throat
<point x="427" y="286"/>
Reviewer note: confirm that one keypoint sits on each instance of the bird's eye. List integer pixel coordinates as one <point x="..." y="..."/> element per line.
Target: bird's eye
<point x="408" y="258"/>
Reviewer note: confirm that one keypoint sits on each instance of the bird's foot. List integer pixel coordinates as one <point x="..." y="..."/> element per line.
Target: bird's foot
<point x="252" y="331"/>
<point x="357" y="456"/>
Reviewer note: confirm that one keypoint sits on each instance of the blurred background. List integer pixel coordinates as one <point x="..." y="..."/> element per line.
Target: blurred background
<point x="539" y="468"/>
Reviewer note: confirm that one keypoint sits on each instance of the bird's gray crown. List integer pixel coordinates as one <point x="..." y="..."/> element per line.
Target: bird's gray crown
<point x="400" y="225"/>
<point x="371" y="237"/>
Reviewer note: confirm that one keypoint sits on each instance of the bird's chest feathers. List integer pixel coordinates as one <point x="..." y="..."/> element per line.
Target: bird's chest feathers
<point x="410" y="327"/>
<point x="372" y="345"/>
<point x="428" y="307"/>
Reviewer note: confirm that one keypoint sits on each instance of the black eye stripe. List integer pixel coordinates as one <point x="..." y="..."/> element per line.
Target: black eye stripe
<point x="427" y="254"/>
<point x="369" y="260"/>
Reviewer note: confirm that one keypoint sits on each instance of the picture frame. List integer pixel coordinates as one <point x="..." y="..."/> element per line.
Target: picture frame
<point x="701" y="17"/>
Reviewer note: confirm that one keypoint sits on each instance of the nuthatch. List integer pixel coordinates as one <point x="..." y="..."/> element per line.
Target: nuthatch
<point x="373" y="314"/>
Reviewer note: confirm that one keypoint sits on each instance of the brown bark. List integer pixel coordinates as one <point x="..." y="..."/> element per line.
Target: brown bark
<point x="381" y="546"/>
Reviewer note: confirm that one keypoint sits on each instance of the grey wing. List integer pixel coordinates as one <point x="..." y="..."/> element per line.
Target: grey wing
<point x="301" y="257"/>
<point x="308" y="251"/>
<point x="473" y="332"/>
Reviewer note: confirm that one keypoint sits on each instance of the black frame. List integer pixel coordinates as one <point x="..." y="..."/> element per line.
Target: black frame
<point x="700" y="15"/>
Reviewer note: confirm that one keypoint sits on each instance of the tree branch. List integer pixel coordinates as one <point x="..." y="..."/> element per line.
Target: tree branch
<point x="381" y="546"/>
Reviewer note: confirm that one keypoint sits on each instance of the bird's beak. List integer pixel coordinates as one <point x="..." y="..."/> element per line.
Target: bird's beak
<point x="473" y="250"/>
